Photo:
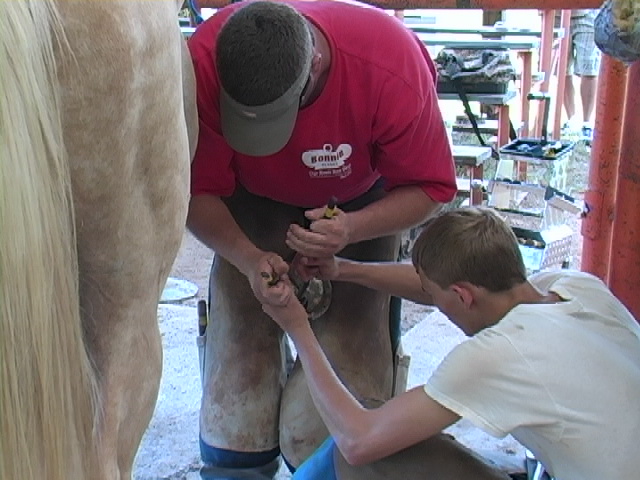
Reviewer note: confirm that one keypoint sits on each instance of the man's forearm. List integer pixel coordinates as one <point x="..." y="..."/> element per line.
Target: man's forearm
<point x="211" y="222"/>
<point x="399" y="209"/>
<point x="398" y="279"/>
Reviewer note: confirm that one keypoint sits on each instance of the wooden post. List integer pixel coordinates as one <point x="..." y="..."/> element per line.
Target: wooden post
<point x="597" y="222"/>
<point x="546" y="47"/>
<point x="624" y="271"/>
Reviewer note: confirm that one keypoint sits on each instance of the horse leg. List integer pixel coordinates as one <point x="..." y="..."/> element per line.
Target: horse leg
<point x="244" y="360"/>
<point x="189" y="98"/>
<point x="439" y="457"/>
<point x="122" y="274"/>
<point x="127" y="139"/>
<point x="127" y="352"/>
<point x="354" y="333"/>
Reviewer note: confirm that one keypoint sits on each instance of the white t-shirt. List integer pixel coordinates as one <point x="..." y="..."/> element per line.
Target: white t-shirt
<point x="563" y="379"/>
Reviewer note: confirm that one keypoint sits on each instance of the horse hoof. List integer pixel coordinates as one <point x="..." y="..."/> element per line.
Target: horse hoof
<point x="316" y="297"/>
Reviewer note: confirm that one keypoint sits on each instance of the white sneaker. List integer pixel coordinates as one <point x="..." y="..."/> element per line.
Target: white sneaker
<point x="571" y="126"/>
<point x="587" y="133"/>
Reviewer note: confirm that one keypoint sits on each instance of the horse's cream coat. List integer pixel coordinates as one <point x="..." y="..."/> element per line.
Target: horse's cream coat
<point x="97" y="122"/>
<point x="123" y="97"/>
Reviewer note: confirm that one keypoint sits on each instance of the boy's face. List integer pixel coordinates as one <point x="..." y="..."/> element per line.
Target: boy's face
<point x="451" y="302"/>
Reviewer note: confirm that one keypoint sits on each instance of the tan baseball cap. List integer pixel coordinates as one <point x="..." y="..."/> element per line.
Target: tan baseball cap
<point x="262" y="130"/>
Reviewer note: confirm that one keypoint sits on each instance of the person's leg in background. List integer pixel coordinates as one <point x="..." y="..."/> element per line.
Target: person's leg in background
<point x="588" y="90"/>
<point x="587" y="67"/>
<point x="569" y="98"/>
<point x="569" y="101"/>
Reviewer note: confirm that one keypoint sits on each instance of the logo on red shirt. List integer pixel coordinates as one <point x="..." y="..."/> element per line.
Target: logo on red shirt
<point x="327" y="162"/>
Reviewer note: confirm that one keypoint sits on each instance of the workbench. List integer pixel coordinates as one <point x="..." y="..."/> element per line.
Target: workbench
<point x="499" y="100"/>
<point x="523" y="46"/>
<point x="473" y="158"/>
<point x="484" y="30"/>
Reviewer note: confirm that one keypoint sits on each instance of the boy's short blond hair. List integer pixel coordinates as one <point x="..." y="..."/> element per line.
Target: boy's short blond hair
<point x="472" y="245"/>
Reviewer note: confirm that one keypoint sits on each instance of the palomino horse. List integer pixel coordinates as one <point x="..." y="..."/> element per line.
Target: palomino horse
<point x="96" y="101"/>
<point x="93" y="199"/>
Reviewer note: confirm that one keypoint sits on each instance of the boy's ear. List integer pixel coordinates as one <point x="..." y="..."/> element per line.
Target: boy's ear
<point x="464" y="293"/>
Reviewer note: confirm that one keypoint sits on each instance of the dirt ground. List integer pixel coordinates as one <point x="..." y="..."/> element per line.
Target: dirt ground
<point x="193" y="263"/>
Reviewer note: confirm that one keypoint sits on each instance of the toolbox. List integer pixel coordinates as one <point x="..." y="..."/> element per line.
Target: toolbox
<point x="538" y="217"/>
<point x="542" y="151"/>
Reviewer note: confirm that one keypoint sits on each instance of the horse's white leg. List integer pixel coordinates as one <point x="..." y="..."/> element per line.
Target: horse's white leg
<point x="244" y="367"/>
<point x="189" y="98"/>
<point x="127" y="140"/>
<point x="127" y="351"/>
<point x="354" y="333"/>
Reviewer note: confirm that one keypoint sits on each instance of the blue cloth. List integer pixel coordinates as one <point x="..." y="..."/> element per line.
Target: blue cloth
<point x="320" y="465"/>
<point x="195" y="11"/>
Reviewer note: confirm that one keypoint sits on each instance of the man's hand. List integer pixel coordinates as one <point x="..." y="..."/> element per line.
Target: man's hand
<point x="325" y="237"/>
<point x="269" y="280"/>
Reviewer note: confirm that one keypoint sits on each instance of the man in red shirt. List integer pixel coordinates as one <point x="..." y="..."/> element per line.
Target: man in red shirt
<point x="300" y="102"/>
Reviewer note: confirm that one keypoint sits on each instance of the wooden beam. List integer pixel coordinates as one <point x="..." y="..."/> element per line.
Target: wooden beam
<point x="462" y="4"/>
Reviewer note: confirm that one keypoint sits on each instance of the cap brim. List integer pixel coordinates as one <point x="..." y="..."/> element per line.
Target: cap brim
<point x="253" y="136"/>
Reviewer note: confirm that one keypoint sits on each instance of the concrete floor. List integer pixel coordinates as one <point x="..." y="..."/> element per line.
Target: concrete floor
<point x="170" y="451"/>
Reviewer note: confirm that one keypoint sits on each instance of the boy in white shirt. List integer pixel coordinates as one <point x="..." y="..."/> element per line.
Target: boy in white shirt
<point x="553" y="360"/>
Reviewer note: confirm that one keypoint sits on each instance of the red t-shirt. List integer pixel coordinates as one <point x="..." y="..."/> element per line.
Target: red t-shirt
<point x="377" y="116"/>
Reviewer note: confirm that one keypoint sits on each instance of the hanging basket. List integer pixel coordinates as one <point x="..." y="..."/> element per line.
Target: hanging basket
<point x="617" y="29"/>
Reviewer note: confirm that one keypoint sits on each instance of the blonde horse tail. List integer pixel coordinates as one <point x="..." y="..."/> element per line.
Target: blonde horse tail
<point x="47" y="383"/>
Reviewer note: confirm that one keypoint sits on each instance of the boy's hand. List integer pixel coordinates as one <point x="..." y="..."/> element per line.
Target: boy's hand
<point x="288" y="316"/>
<point x="312" y="267"/>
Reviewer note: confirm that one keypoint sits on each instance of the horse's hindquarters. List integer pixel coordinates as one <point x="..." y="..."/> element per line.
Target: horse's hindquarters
<point x="124" y="126"/>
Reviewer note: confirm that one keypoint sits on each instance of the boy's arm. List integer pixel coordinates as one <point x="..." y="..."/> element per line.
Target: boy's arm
<point x="361" y="435"/>
<point x="398" y="279"/>
<point x="393" y="278"/>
